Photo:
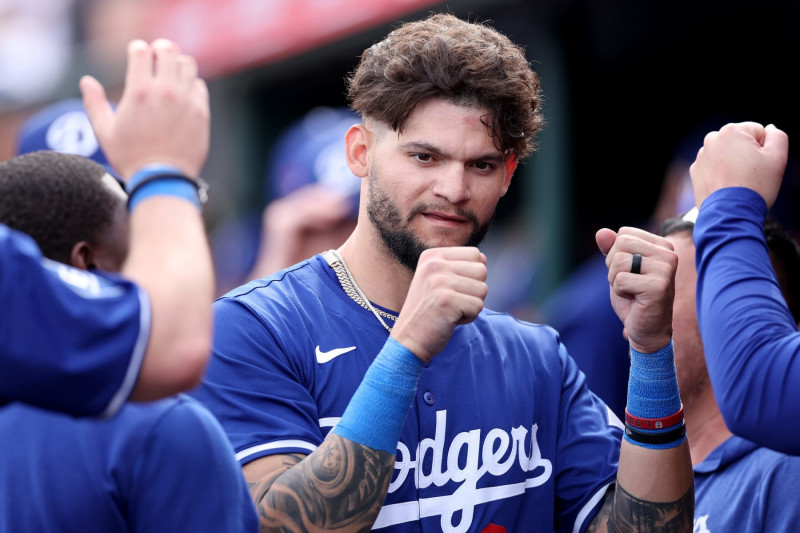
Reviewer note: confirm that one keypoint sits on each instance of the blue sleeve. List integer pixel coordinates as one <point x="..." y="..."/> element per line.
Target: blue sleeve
<point x="186" y="478"/>
<point x="751" y="342"/>
<point x="589" y="439"/>
<point x="70" y="340"/>
<point x="259" y="393"/>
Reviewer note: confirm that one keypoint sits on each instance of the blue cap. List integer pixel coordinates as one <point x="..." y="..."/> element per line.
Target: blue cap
<point x="63" y="127"/>
<point x="312" y="150"/>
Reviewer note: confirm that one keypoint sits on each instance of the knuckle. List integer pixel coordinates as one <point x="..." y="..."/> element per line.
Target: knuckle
<point x="169" y="94"/>
<point x="141" y="95"/>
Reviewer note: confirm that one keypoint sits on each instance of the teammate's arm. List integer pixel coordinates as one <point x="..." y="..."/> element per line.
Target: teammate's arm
<point x="163" y="119"/>
<point x="751" y="342"/>
<point x="654" y="488"/>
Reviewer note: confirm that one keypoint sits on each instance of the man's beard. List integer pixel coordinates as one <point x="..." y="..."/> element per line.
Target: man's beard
<point x="400" y="241"/>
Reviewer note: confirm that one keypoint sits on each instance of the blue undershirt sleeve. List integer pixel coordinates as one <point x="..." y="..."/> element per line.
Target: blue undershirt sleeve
<point x="751" y="342"/>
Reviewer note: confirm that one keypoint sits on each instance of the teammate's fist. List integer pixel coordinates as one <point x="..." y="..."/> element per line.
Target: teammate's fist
<point x="741" y="155"/>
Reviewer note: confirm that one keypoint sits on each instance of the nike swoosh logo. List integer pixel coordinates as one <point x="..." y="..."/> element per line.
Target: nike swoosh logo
<point x="324" y="357"/>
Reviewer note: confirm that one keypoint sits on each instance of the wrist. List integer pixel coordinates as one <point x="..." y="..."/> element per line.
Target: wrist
<point x="409" y="344"/>
<point x="164" y="180"/>
<point x="377" y="411"/>
<point x="654" y="415"/>
<point x="652" y="345"/>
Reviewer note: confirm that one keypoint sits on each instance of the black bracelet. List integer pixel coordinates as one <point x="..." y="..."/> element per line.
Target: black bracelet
<point x="198" y="183"/>
<point x="656" y="438"/>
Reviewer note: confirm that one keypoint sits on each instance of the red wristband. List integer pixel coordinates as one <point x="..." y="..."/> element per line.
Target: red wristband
<point x="654" y="423"/>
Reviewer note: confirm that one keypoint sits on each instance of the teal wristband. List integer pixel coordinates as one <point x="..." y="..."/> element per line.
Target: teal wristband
<point x="377" y="411"/>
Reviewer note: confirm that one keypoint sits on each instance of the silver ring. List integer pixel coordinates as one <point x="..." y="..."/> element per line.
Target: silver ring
<point x="636" y="264"/>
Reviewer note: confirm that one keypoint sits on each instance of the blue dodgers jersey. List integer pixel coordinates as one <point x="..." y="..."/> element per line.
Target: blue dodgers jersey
<point x="503" y="432"/>
<point x="70" y="340"/>
<point x="127" y="473"/>
<point x="765" y="495"/>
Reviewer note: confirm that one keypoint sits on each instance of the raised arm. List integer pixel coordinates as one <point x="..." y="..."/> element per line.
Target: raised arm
<point x="654" y="490"/>
<point x="751" y="342"/>
<point x="161" y="126"/>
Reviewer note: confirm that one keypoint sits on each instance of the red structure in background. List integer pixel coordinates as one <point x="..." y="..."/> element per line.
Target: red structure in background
<point x="230" y="35"/>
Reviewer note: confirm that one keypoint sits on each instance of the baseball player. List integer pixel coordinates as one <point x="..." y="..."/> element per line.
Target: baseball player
<point x="59" y="473"/>
<point x="80" y="342"/>
<point x="366" y="387"/>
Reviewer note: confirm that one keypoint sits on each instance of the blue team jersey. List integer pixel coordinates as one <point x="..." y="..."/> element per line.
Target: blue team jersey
<point x="741" y="486"/>
<point x="70" y="340"/>
<point x="164" y="466"/>
<point x="503" y="432"/>
<point x="746" y="326"/>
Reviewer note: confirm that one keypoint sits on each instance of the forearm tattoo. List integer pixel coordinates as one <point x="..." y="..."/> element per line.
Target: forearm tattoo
<point x="341" y="485"/>
<point x="622" y="512"/>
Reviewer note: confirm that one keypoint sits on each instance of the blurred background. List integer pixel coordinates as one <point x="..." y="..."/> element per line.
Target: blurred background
<point x="630" y="89"/>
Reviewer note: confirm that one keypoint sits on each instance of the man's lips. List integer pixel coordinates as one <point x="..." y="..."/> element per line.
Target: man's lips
<point x="446" y="218"/>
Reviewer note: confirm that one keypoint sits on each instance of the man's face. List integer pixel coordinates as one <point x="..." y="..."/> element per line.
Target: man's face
<point x="437" y="183"/>
<point x="689" y="356"/>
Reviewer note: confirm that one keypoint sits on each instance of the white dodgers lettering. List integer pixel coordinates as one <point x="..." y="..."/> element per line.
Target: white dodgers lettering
<point x="701" y="525"/>
<point x="469" y="457"/>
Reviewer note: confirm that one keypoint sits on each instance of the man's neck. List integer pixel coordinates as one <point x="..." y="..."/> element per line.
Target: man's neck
<point x="376" y="271"/>
<point x="705" y="427"/>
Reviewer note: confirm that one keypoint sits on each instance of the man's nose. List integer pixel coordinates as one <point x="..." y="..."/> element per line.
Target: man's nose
<point x="453" y="184"/>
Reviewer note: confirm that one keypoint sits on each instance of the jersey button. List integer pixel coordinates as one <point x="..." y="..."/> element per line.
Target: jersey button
<point x="429" y="398"/>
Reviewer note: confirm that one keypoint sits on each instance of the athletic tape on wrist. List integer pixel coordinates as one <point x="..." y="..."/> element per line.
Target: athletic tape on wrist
<point x="160" y="180"/>
<point x="653" y="392"/>
<point x="377" y="412"/>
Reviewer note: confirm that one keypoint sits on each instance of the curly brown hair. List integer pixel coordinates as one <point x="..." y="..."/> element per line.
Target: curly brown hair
<point x="463" y="62"/>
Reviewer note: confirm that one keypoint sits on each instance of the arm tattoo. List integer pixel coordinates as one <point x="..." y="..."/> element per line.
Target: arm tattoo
<point x="622" y="511"/>
<point x="340" y="485"/>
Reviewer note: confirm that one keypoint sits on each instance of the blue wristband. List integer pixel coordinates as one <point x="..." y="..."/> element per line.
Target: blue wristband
<point x="158" y="180"/>
<point x="653" y="392"/>
<point x="377" y="412"/>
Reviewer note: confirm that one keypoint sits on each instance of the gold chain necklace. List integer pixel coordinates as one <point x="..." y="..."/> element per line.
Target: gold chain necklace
<point x="351" y="288"/>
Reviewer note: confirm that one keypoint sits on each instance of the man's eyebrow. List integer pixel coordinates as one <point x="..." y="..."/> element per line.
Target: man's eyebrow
<point x="420" y="146"/>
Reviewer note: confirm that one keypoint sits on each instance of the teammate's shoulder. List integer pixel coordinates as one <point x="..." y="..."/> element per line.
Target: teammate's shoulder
<point x="145" y="413"/>
<point x="180" y="413"/>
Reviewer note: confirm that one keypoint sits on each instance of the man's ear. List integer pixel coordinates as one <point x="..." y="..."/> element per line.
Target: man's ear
<point x="357" y="140"/>
<point x="511" y="166"/>
<point x="82" y="256"/>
